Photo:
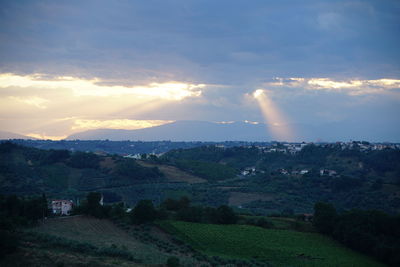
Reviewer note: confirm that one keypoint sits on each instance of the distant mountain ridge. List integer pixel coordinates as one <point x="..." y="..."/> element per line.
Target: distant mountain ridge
<point x="4" y="135"/>
<point x="243" y="131"/>
<point x="183" y="131"/>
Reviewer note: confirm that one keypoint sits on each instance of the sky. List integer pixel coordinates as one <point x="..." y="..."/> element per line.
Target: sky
<point x="71" y="66"/>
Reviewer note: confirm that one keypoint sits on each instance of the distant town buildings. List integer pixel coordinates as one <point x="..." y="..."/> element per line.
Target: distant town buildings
<point x="330" y="173"/>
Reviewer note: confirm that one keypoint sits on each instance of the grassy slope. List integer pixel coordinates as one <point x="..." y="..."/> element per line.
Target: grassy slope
<point x="34" y="255"/>
<point x="174" y="174"/>
<point x="101" y="233"/>
<point x="147" y="244"/>
<point x="280" y="247"/>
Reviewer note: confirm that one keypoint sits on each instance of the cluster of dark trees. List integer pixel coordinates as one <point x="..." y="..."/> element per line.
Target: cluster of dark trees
<point x="145" y="211"/>
<point x="181" y="209"/>
<point x="130" y="168"/>
<point x="17" y="211"/>
<point x="209" y="170"/>
<point x="92" y="206"/>
<point x="23" y="211"/>
<point x="368" y="231"/>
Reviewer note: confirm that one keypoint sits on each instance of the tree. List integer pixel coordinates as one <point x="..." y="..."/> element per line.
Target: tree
<point x="190" y="214"/>
<point x="44" y="206"/>
<point x="184" y="202"/>
<point x="144" y="212"/>
<point x="324" y="217"/>
<point x="83" y="160"/>
<point x="225" y="215"/>
<point x="117" y="210"/>
<point x="93" y="206"/>
<point x="13" y="206"/>
<point x="54" y="156"/>
<point x="175" y="205"/>
<point x="173" y="262"/>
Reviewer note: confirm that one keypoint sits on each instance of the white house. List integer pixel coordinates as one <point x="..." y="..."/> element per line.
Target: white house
<point x="61" y="206"/>
<point x="302" y="172"/>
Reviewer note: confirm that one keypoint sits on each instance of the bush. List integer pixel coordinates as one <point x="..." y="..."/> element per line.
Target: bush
<point x="173" y="262"/>
<point x="8" y="242"/>
<point x="82" y="160"/>
<point x="261" y="222"/>
<point x="324" y="217"/>
<point x="144" y="212"/>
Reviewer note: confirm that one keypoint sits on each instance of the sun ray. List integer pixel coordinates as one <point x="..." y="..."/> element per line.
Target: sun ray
<point x="274" y="118"/>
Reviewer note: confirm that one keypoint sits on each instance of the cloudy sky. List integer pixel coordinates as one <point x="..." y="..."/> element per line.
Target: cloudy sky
<point x="70" y="66"/>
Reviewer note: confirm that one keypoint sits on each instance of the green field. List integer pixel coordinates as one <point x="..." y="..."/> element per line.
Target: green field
<point x="278" y="247"/>
<point x="103" y="234"/>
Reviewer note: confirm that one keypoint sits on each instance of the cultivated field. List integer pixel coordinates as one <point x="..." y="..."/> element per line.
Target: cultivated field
<point x="174" y="174"/>
<point x="239" y="198"/>
<point x="148" y="244"/>
<point x="279" y="247"/>
<point x="102" y="233"/>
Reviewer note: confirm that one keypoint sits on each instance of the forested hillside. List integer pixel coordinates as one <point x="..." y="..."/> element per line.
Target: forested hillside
<point x="26" y="171"/>
<point x="350" y="178"/>
<point x="250" y="178"/>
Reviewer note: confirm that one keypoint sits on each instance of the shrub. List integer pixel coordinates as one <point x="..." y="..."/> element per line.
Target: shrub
<point x="173" y="262"/>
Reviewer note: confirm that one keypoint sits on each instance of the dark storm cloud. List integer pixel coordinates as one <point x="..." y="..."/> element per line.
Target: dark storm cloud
<point x="225" y="42"/>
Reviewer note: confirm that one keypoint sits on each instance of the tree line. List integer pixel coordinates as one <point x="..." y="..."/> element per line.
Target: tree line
<point x="146" y="212"/>
<point x="18" y="211"/>
<point x="371" y="232"/>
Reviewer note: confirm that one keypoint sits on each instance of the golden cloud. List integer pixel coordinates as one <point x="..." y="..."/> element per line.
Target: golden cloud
<point x="33" y="101"/>
<point x="81" y="124"/>
<point x="352" y="86"/>
<point x="92" y="87"/>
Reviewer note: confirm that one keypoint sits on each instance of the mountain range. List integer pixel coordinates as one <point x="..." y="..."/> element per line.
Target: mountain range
<point x="238" y="131"/>
<point x="183" y="131"/>
<point x="243" y="131"/>
<point x="9" y="135"/>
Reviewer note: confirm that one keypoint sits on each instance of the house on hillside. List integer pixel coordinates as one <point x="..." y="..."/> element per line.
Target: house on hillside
<point x="305" y="171"/>
<point x="61" y="206"/>
<point x="283" y="171"/>
<point x="330" y="173"/>
<point x="307" y="217"/>
<point x="249" y="171"/>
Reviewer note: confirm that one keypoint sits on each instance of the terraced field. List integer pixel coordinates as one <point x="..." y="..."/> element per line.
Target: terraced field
<point x="279" y="247"/>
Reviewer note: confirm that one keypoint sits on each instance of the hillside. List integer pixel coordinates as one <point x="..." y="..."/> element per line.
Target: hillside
<point x="277" y="247"/>
<point x="250" y="179"/>
<point x="77" y="240"/>
<point x="174" y="174"/>
<point x="87" y="241"/>
<point x="60" y="173"/>
<point x="350" y="178"/>
<point x="103" y="233"/>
